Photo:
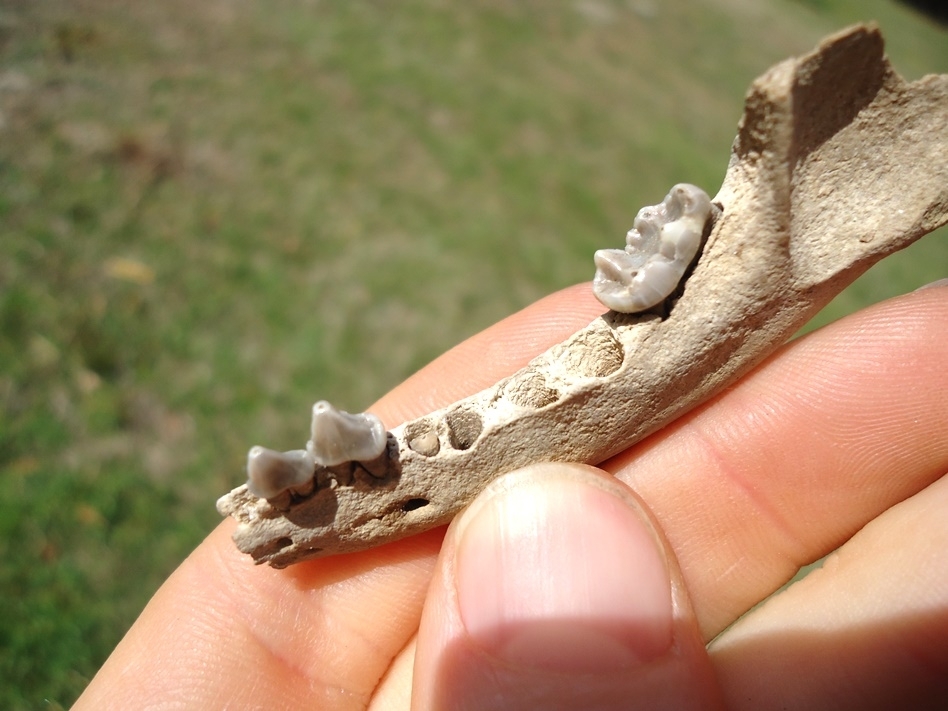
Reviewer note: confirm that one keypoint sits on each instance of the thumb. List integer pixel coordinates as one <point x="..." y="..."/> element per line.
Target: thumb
<point x="555" y="590"/>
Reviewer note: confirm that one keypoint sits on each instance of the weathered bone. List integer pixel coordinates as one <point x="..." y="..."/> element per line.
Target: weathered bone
<point x="837" y="163"/>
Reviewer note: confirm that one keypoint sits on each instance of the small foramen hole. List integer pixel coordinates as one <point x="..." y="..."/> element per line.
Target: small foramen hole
<point x="284" y="542"/>
<point x="413" y="504"/>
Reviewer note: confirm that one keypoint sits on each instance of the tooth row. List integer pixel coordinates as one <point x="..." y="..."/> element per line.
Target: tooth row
<point x="336" y="437"/>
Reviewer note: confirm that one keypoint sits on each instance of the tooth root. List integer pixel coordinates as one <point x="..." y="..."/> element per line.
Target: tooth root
<point x="338" y="437"/>
<point x="270" y="473"/>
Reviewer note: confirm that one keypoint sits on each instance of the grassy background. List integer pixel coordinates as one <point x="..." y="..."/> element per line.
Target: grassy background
<point x="214" y="213"/>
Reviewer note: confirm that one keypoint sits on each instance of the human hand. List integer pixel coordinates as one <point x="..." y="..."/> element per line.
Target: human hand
<point x="561" y="588"/>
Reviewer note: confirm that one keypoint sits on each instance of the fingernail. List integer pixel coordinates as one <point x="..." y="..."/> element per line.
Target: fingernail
<point x="933" y="285"/>
<point x="564" y="574"/>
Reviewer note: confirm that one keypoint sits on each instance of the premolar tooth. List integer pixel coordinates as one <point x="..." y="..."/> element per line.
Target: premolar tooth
<point x="338" y="437"/>
<point x="270" y="472"/>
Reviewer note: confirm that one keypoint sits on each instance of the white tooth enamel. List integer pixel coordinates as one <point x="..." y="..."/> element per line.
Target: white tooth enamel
<point x="270" y="473"/>
<point x="659" y="248"/>
<point x="337" y="436"/>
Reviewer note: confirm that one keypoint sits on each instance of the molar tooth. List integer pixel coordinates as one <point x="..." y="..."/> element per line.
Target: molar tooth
<point x="658" y="250"/>
<point x="338" y="437"/>
<point x="270" y="472"/>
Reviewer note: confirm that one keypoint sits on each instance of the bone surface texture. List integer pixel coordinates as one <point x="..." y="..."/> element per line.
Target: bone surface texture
<point x="837" y="163"/>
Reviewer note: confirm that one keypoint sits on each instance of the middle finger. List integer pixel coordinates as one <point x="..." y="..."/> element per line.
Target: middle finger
<point x="784" y="467"/>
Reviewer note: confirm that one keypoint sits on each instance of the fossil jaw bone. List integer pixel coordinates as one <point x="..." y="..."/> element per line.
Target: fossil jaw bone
<point x="659" y="248"/>
<point x="661" y="245"/>
<point x="838" y="163"/>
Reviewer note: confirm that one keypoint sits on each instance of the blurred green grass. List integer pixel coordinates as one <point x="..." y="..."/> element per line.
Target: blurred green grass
<point x="212" y="214"/>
